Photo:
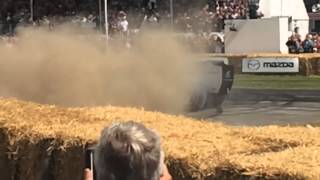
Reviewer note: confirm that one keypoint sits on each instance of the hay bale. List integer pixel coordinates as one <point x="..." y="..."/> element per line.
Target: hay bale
<point x="62" y="169"/>
<point x="315" y="65"/>
<point x="309" y="62"/>
<point x="25" y="157"/>
<point x="194" y="149"/>
<point x="4" y="160"/>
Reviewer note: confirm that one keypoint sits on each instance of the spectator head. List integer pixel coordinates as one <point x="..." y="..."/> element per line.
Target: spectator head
<point x="224" y="5"/>
<point x="122" y="14"/>
<point x="309" y="36"/>
<point x="128" y="151"/>
<point x="314" y="36"/>
<point x="292" y="37"/>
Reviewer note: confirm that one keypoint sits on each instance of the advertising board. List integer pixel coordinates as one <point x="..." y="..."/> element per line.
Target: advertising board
<point x="270" y="65"/>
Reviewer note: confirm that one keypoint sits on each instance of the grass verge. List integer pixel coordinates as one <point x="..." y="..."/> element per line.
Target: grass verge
<point x="295" y="82"/>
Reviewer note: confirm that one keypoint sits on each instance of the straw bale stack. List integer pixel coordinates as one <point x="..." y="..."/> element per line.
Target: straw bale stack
<point x="47" y="142"/>
<point x="309" y="62"/>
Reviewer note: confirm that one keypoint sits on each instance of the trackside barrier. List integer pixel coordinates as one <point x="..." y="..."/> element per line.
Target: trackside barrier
<point x="309" y="64"/>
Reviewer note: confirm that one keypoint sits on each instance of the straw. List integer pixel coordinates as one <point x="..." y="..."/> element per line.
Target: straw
<point x="195" y="149"/>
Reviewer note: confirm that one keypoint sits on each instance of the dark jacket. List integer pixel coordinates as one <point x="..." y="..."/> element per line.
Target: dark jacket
<point x="308" y="46"/>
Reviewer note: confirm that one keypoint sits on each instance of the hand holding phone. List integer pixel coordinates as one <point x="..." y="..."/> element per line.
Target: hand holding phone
<point x="88" y="174"/>
<point x="89" y="164"/>
<point x="165" y="175"/>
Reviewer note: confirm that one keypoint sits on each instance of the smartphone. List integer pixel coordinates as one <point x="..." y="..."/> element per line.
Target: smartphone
<point x="89" y="159"/>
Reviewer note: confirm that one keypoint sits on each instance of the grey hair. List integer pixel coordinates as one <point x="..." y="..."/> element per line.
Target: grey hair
<point x="128" y="151"/>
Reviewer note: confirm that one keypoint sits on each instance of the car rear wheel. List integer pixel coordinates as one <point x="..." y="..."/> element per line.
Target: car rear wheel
<point x="199" y="100"/>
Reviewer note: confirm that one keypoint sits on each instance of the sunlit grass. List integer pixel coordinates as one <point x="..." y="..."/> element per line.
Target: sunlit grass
<point x="277" y="82"/>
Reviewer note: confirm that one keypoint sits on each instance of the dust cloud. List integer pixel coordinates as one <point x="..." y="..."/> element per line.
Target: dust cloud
<point x="70" y="67"/>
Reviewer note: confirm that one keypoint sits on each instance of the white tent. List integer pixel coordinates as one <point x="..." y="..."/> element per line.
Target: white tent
<point x="269" y="34"/>
<point x="287" y="8"/>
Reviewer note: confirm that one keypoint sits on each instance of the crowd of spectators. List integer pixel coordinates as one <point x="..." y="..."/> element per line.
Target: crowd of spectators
<point x="195" y="16"/>
<point x="8" y="41"/>
<point x="210" y="18"/>
<point x="203" y="25"/>
<point x="198" y="18"/>
<point x="310" y="44"/>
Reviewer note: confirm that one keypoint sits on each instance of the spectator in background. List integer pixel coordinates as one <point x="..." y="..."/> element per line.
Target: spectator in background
<point x="215" y="45"/>
<point x="9" y="41"/>
<point x="9" y="24"/>
<point x="219" y="45"/>
<point x="113" y="24"/>
<point x="123" y="23"/>
<point x="308" y="44"/>
<point x="298" y="37"/>
<point x="152" y="4"/>
<point x="317" y="44"/>
<point x="124" y="29"/>
<point x="294" y="45"/>
<point x="212" y="4"/>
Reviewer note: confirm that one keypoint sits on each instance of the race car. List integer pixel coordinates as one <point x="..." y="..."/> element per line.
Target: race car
<point x="213" y="86"/>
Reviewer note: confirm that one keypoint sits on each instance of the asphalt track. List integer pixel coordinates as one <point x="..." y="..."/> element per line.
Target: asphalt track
<point x="261" y="108"/>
